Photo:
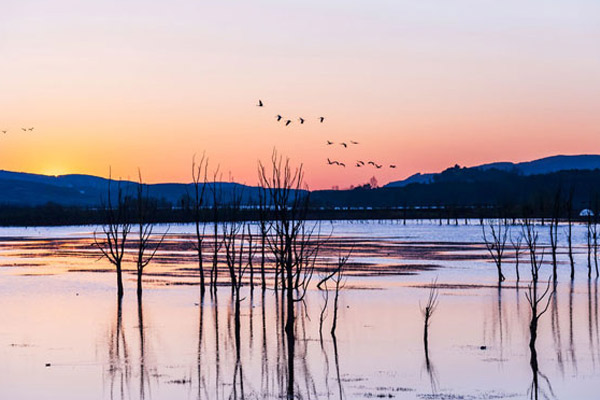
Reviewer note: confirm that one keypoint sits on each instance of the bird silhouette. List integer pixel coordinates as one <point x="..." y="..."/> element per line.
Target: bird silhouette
<point x="353" y="142"/>
<point x="329" y="161"/>
<point x="260" y="103"/>
<point x="278" y="117"/>
<point x="24" y="129"/>
<point x="378" y="166"/>
<point x="30" y="129"/>
<point x="371" y="163"/>
<point x="344" y="144"/>
<point x="358" y="165"/>
<point x="361" y="162"/>
<point x="329" y="143"/>
<point x="288" y="122"/>
<point x="301" y="120"/>
<point x="4" y="131"/>
<point x="342" y="164"/>
<point x="321" y="119"/>
<point x="392" y="166"/>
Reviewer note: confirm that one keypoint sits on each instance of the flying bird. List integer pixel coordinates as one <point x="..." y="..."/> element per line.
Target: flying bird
<point x="288" y="122"/>
<point x="342" y="164"/>
<point x="4" y="131"/>
<point x="329" y="161"/>
<point x="278" y="117"/>
<point x="371" y="163"/>
<point x="260" y="103"/>
<point x="361" y="162"/>
<point x="358" y="165"/>
<point x="24" y="129"/>
<point x="321" y="119"/>
<point x="378" y="166"/>
<point x="301" y="120"/>
<point x="329" y="143"/>
<point x="392" y="166"/>
<point x="344" y="144"/>
<point x="353" y="142"/>
<point x="30" y="129"/>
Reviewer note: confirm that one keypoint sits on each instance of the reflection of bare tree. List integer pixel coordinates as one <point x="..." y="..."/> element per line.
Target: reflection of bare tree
<point x="537" y="310"/>
<point x="143" y="367"/>
<point x="119" y="369"/>
<point x="201" y="380"/>
<point x="591" y="322"/>
<point x="571" y="336"/>
<point x="555" y="321"/>
<point x="337" y="365"/>
<point x="536" y="302"/>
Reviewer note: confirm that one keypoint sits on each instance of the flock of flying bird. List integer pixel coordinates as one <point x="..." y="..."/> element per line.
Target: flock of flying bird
<point x="23" y="129"/>
<point x="287" y="122"/>
<point x="358" y="164"/>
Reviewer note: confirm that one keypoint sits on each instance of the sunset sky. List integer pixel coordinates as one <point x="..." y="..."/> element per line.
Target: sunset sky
<point x="422" y="84"/>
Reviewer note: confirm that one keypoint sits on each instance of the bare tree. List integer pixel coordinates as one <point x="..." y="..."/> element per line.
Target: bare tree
<point x="265" y="226"/>
<point x="337" y="279"/>
<point x="199" y="181"/>
<point x="115" y="232"/>
<point x="146" y="250"/>
<point x="517" y="244"/>
<point x="217" y="242"/>
<point x="289" y="241"/>
<point x="427" y="311"/>
<point x="496" y="243"/>
<point x="554" y="231"/>
<point x="569" y="207"/>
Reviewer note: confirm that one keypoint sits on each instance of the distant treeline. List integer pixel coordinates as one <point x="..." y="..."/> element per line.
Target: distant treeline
<point x="455" y="193"/>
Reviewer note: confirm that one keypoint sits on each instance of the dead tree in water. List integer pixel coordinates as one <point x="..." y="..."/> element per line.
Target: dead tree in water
<point x="145" y="250"/>
<point x="496" y="244"/>
<point x="217" y="243"/>
<point x="265" y="227"/>
<point x="115" y="230"/>
<point x="518" y="248"/>
<point x="427" y="311"/>
<point x="531" y="240"/>
<point x="290" y="240"/>
<point x="535" y="300"/>
<point x="199" y="181"/>
<point x="337" y="278"/>
<point x="569" y="207"/>
<point x="554" y="232"/>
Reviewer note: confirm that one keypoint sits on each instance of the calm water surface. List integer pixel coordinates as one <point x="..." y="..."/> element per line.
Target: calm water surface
<point x="63" y="334"/>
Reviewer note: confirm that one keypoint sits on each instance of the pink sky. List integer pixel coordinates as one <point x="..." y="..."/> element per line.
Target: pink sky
<point x="422" y="85"/>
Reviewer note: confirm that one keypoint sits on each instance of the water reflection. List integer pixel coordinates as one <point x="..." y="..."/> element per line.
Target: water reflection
<point x="119" y="370"/>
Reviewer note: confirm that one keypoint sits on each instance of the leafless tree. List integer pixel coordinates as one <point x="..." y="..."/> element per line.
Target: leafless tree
<point x="569" y="207"/>
<point x="427" y="311"/>
<point x="217" y="242"/>
<point x="290" y="239"/>
<point x="115" y="232"/>
<point x="337" y="279"/>
<point x="265" y="226"/>
<point x="517" y="244"/>
<point x="146" y="250"/>
<point x="554" y="231"/>
<point x="496" y="244"/>
<point x="199" y="181"/>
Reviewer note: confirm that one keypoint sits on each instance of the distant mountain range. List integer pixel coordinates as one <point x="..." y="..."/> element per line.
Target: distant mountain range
<point x="536" y="167"/>
<point x="17" y="188"/>
<point x="25" y="189"/>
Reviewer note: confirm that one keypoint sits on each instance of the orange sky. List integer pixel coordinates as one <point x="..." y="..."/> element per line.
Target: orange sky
<point x="422" y="85"/>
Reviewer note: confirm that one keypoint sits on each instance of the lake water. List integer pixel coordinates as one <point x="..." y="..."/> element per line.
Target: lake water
<point x="63" y="335"/>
